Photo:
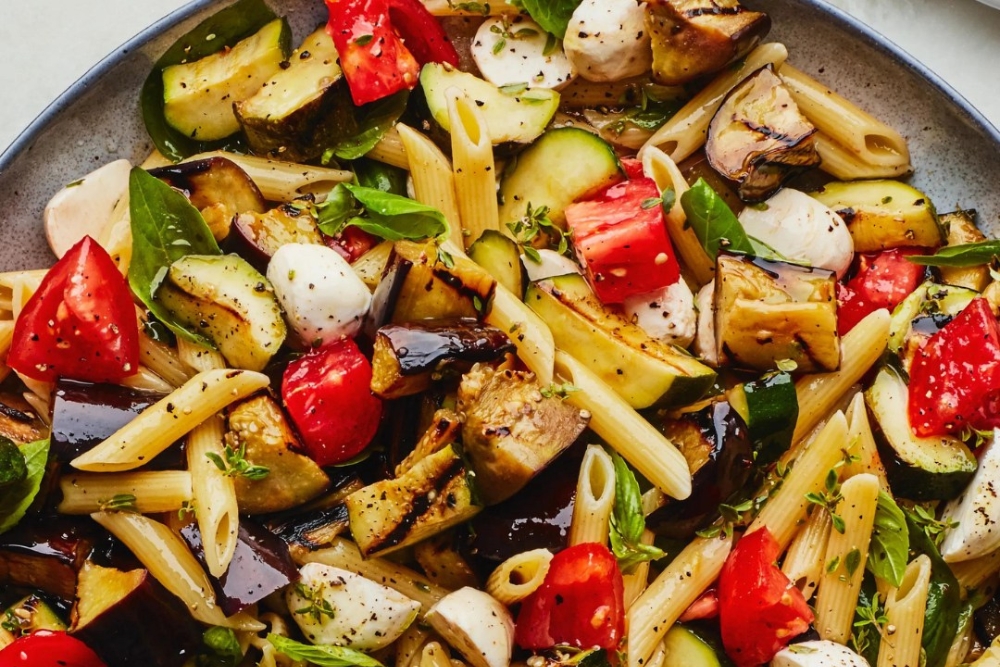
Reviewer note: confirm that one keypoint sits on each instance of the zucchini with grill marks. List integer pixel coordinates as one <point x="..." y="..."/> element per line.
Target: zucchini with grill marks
<point x="31" y="614"/>
<point x="922" y="314"/>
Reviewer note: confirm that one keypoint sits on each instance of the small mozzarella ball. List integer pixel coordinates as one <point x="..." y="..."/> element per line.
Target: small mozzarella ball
<point x="324" y="300"/>
<point x="818" y="653"/>
<point x="553" y="264"/>
<point x="476" y="625"/>
<point x="340" y="608"/>
<point x="511" y="51"/>
<point x="85" y="208"/>
<point x="667" y="314"/>
<point x="607" y="40"/>
<point x="977" y="511"/>
<point x="801" y="228"/>
<point x="705" y="343"/>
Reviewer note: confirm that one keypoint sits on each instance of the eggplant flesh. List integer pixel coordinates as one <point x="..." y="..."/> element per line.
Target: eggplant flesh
<point x="312" y="530"/>
<point x="759" y="139"/>
<point x="258" y="235"/>
<point x="695" y="38"/>
<point x="408" y="356"/>
<point x="19" y="421"/>
<point x="47" y="558"/>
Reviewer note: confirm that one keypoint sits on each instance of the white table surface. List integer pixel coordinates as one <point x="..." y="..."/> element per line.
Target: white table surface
<point x="45" y="45"/>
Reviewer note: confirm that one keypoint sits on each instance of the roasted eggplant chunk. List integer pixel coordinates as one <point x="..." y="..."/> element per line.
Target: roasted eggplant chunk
<point x="19" y="421"/>
<point x="259" y="425"/>
<point x="257" y="236"/>
<point x="445" y="428"/>
<point x="312" y="530"/>
<point x="47" y="557"/>
<point x="961" y="228"/>
<point x="695" y="38"/>
<point x="260" y="566"/>
<point x="512" y="430"/>
<point x="768" y="311"/>
<point x="408" y="356"/>
<point x="130" y="620"/>
<point x="217" y="187"/>
<point x="431" y="497"/>
<point x="716" y="443"/>
<point x="759" y="139"/>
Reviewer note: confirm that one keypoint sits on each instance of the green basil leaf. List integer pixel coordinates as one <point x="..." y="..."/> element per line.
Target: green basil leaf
<point x="944" y="601"/>
<point x="13" y="467"/>
<point x="628" y="521"/>
<point x="772" y="409"/>
<point x="966" y="254"/>
<point x="380" y="176"/>
<point x="322" y="656"/>
<point x="221" y="648"/>
<point x="374" y="120"/>
<point x="890" y="543"/>
<point x="165" y="227"/>
<point x="386" y="215"/>
<point x="713" y="222"/>
<point x="337" y="211"/>
<point x="221" y="30"/>
<point x="552" y="15"/>
<point x="15" y="499"/>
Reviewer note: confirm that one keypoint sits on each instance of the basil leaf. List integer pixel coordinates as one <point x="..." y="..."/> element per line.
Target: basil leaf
<point x="385" y="215"/>
<point x="713" y="222"/>
<point x="13" y="467"/>
<point x="552" y="15"/>
<point x="374" y="120"/>
<point x="965" y="254"/>
<point x="16" y="498"/>
<point x="772" y="409"/>
<point x="323" y="656"/>
<point x="165" y="227"/>
<point x="380" y="176"/>
<point x="944" y="601"/>
<point x="628" y="521"/>
<point x="221" y="30"/>
<point x="220" y="648"/>
<point x="890" y="543"/>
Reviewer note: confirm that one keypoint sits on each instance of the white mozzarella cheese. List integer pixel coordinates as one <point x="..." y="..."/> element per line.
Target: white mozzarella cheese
<point x="607" y="40"/>
<point x="513" y="51"/>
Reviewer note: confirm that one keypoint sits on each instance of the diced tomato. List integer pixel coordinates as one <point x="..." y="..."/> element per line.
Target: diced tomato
<point x="80" y="324"/>
<point x="760" y="611"/>
<point x="352" y="242"/>
<point x="45" y="648"/>
<point x="632" y="167"/>
<point x="621" y="239"/>
<point x="706" y="606"/>
<point x="580" y="603"/>
<point x="328" y="396"/>
<point x="955" y="376"/>
<point x="369" y="36"/>
<point x="883" y="280"/>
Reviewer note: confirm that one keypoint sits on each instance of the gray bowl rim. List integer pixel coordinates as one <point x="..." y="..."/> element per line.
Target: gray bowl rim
<point x="881" y="43"/>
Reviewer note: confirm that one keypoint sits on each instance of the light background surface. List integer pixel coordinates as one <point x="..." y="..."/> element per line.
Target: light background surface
<point x="45" y="45"/>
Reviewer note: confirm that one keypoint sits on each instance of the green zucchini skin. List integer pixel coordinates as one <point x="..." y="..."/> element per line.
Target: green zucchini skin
<point x="498" y="254"/>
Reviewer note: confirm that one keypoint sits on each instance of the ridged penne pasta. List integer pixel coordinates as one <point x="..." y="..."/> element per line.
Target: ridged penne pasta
<point x="788" y="507"/>
<point x="519" y="576"/>
<point x="143" y="492"/>
<point x="637" y="580"/>
<point x="390" y="150"/>
<point x="803" y="564"/>
<point x="534" y="342"/>
<point x="410" y="645"/>
<point x="638" y="441"/>
<point x="583" y="94"/>
<point x="841" y="163"/>
<point x="687" y="130"/>
<point x="659" y="607"/>
<point x="972" y="574"/>
<point x="174" y="416"/>
<point x="862" y="443"/>
<point x="284" y="181"/>
<point x="433" y="178"/>
<point x="168" y="559"/>
<point x="453" y="8"/>
<point x="146" y="380"/>
<point x="434" y="655"/>
<point x="904" y="609"/>
<point x="846" y="555"/>
<point x="473" y="166"/>
<point x="595" y="498"/>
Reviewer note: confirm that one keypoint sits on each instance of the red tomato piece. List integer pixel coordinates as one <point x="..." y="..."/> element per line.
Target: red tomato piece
<point x="955" y="376"/>
<point x="421" y="32"/>
<point x="580" y="603"/>
<point x="621" y="239"/>
<point x="760" y="611"/>
<point x="80" y="324"/>
<point x="328" y="396"/>
<point x="375" y="62"/>
<point x="352" y="242"/>
<point x="45" y="648"/>
<point x="883" y="280"/>
<point x="632" y="167"/>
<point x="706" y="606"/>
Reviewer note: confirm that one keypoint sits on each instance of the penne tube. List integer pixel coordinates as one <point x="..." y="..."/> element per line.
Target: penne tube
<point x="804" y="562"/>
<point x="474" y="169"/>
<point x="433" y="178"/>
<point x="638" y="441"/>
<point x="434" y="655"/>
<point x="904" y="609"/>
<point x="284" y="181"/>
<point x="846" y="555"/>
<point x="637" y="580"/>
<point x="390" y="150"/>
<point x="162" y="360"/>
<point x="841" y="163"/>
<point x="862" y="443"/>
<point x="455" y="8"/>
<point x="534" y="342"/>
<point x="410" y="645"/>
<point x="680" y="584"/>
<point x="174" y="416"/>
<point x="146" y="380"/>
<point x="595" y="498"/>
<point x="519" y="576"/>
<point x="973" y="574"/>
<point x="687" y="130"/>
<point x="143" y="492"/>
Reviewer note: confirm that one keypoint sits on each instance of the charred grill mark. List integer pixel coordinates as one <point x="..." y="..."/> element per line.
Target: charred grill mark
<point x="420" y="506"/>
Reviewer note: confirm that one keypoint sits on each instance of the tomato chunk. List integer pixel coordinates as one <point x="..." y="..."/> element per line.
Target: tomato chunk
<point x="328" y="397"/>
<point x="421" y="32"/>
<point x="955" y="375"/>
<point x="883" y="280"/>
<point x="760" y="611"/>
<point x="45" y="648"/>
<point x="80" y="324"/>
<point x="580" y="603"/>
<point x="621" y="240"/>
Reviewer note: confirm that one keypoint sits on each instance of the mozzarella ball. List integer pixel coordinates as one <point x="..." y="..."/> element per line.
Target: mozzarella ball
<point x="607" y="40"/>
<point x="818" y="653"/>
<point x="511" y="51"/>
<point x="705" y="343"/>
<point x="553" y="264"/>
<point x="667" y="314"/>
<point x="977" y="511"/>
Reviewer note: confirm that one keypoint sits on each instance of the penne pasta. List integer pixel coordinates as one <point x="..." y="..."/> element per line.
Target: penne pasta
<point x="519" y="576"/>
<point x="904" y="609"/>
<point x="146" y="380"/>
<point x="174" y="416"/>
<point x="804" y="562"/>
<point x="410" y="645"/>
<point x="637" y="580"/>
<point x="534" y="342"/>
<point x="862" y="443"/>
<point x="143" y="492"/>
<point x="474" y="169"/>
<point x="163" y="360"/>
<point x="284" y="181"/>
<point x="841" y="163"/>
<point x="433" y="178"/>
<point x="454" y="8"/>
<point x="390" y="150"/>
<point x="973" y="574"/>
<point x="595" y="498"/>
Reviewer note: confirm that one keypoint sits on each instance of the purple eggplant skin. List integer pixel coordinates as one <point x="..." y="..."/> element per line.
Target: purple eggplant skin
<point x="260" y="566"/>
<point x="716" y="443"/>
<point x="314" y="529"/>
<point x="212" y="181"/>
<point x="46" y="554"/>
